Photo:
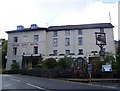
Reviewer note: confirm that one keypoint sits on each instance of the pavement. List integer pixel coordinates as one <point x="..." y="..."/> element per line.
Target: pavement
<point x="92" y="80"/>
<point x="109" y="82"/>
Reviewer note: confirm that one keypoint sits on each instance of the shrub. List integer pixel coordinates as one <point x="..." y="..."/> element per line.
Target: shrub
<point x="65" y="63"/>
<point x="15" y="66"/>
<point x="49" y="63"/>
<point x="10" y="72"/>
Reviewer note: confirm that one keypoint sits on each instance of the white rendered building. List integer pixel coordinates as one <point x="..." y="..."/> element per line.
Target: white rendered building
<point x="56" y="41"/>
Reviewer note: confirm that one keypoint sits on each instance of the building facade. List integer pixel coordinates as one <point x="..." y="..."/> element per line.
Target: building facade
<point x="56" y="41"/>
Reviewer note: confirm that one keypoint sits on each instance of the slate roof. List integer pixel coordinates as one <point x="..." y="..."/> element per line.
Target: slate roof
<point x="67" y="27"/>
<point x="83" y="26"/>
<point x="27" y="30"/>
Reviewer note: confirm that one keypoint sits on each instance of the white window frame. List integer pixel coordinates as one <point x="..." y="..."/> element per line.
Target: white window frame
<point x="14" y="50"/>
<point x="34" y="50"/>
<point x="67" y="41"/>
<point x="55" y="42"/>
<point x="55" y="52"/>
<point x="67" y="52"/>
<point x="55" y="33"/>
<point x="36" y="37"/>
<point x="80" y="40"/>
<point x="67" y="33"/>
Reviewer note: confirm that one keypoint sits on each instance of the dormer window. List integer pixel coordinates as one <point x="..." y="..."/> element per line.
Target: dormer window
<point x="34" y="26"/>
<point x="20" y="27"/>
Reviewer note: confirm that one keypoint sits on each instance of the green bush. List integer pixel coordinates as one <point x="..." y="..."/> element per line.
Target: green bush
<point x="10" y="72"/>
<point x="65" y="63"/>
<point x="49" y="63"/>
<point x="15" y="67"/>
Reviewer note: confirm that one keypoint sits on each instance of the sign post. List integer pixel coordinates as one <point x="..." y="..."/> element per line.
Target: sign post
<point x="89" y="71"/>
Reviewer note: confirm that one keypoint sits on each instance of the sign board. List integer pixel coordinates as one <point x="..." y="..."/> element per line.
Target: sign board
<point x="100" y="38"/>
<point x="106" y="68"/>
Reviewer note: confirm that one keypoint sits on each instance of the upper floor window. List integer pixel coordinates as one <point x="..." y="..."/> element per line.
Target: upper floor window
<point x="55" y="52"/>
<point x="14" y="50"/>
<point x="67" y="32"/>
<point x="80" y="52"/>
<point x="55" y="33"/>
<point x="36" y="37"/>
<point x="102" y="30"/>
<point x="15" y="39"/>
<point x="67" y="52"/>
<point x="55" y="42"/>
<point x="80" y="32"/>
<point x="67" y="41"/>
<point x="35" y="49"/>
<point x="80" y="41"/>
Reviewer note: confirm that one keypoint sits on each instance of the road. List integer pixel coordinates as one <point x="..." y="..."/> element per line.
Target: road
<point x="30" y="83"/>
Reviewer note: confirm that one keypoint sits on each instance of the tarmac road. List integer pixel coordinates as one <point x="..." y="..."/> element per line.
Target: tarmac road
<point x="30" y="83"/>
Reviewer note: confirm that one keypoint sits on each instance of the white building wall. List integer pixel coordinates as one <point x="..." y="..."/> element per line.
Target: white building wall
<point x="89" y="42"/>
<point x="26" y="43"/>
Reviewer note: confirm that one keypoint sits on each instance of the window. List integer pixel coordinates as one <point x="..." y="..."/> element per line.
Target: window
<point x="55" y="33"/>
<point x="80" y="52"/>
<point x="67" y="52"/>
<point x="55" y="52"/>
<point x="35" y="49"/>
<point x="13" y="61"/>
<point x="55" y="42"/>
<point x="67" y="32"/>
<point x="80" y="41"/>
<point x="67" y="41"/>
<point x="15" y="39"/>
<point x="102" y="30"/>
<point x="14" y="50"/>
<point x="80" y="32"/>
<point x="36" y="37"/>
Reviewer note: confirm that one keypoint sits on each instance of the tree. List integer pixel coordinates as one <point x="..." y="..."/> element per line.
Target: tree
<point x="118" y="57"/>
<point x="4" y="53"/>
<point x="65" y="63"/>
<point x="109" y="58"/>
<point x="97" y="63"/>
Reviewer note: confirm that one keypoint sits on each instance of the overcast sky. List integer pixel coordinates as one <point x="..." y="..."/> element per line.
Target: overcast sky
<point x="46" y="13"/>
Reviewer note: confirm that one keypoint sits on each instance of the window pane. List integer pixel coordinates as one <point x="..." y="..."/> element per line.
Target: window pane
<point x="55" y="42"/>
<point x="67" y="52"/>
<point x="80" y="32"/>
<point x="80" y="52"/>
<point x="67" y="41"/>
<point x="35" y="49"/>
<point x="15" y="39"/>
<point x="67" y="32"/>
<point x="55" y="52"/>
<point x="36" y="37"/>
<point x="55" y="33"/>
<point x="14" y="50"/>
<point x="80" y="41"/>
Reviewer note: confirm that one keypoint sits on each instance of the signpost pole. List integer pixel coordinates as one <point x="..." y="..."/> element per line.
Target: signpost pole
<point x="89" y="71"/>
